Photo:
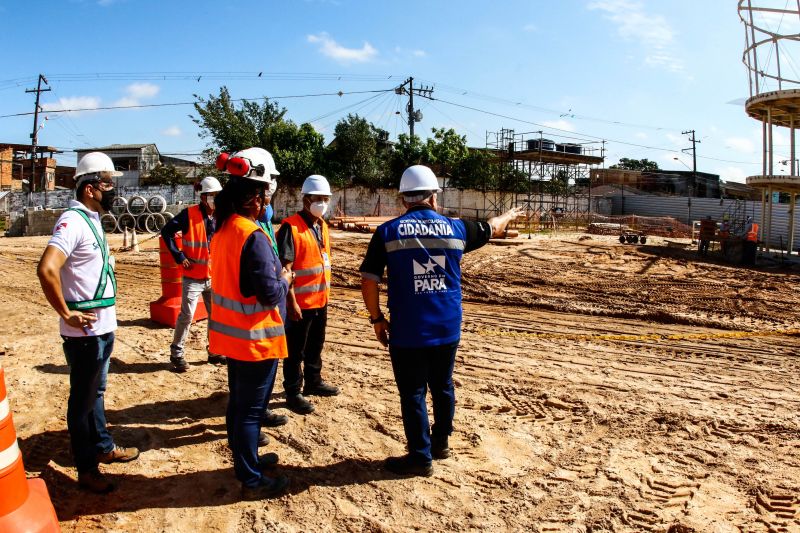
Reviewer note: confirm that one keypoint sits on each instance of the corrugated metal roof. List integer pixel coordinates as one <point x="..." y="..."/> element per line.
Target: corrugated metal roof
<point x="113" y="147"/>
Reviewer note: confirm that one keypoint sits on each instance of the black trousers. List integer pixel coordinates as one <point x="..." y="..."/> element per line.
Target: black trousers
<point x="305" y="339"/>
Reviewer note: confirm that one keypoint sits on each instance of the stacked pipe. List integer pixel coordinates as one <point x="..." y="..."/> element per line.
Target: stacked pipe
<point x="145" y="215"/>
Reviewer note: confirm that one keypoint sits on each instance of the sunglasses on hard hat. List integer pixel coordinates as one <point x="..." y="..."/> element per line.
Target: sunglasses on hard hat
<point x="238" y="166"/>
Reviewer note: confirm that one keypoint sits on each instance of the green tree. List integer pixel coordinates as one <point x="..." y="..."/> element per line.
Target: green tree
<point x="232" y="127"/>
<point x="644" y="165"/>
<point x="407" y="151"/>
<point x="447" y="149"/>
<point x="558" y="184"/>
<point x="298" y="151"/>
<point x="477" y="170"/>
<point x="353" y="157"/>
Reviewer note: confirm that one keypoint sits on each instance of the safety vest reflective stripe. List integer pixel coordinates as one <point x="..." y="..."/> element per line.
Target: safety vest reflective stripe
<point x="195" y="245"/>
<point x="309" y="289"/>
<point x="239" y="326"/>
<point x="106" y="274"/>
<point x="312" y="271"/>
<point x="239" y="307"/>
<point x="428" y="244"/>
<point x="248" y="334"/>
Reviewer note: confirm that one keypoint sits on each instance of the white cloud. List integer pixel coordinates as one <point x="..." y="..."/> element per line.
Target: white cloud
<point x="172" y="131"/>
<point x="73" y="102"/>
<point x="530" y="28"/>
<point x="560" y="124"/>
<point x="136" y="92"/>
<point x="419" y="53"/>
<point x="740" y="144"/>
<point x="330" y="48"/>
<point x="142" y="90"/>
<point x="652" y="32"/>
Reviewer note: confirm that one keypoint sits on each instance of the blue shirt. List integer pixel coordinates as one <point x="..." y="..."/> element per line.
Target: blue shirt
<point x="422" y="251"/>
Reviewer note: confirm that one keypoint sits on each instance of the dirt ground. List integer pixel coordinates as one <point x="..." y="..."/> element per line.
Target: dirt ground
<point x="601" y="387"/>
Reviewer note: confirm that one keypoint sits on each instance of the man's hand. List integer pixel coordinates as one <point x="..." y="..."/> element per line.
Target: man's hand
<point x="382" y="332"/>
<point x="500" y="222"/>
<point x="78" y="319"/>
<point x="186" y="264"/>
<point x="294" y="312"/>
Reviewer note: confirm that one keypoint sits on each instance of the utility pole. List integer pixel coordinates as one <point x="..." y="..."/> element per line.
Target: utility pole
<point x="694" y="142"/>
<point x="414" y="115"/>
<point x="35" y="135"/>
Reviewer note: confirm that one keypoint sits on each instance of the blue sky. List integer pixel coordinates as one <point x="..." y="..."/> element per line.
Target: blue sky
<point x="634" y="72"/>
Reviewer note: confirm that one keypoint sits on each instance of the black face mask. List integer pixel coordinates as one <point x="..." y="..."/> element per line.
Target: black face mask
<point x="107" y="199"/>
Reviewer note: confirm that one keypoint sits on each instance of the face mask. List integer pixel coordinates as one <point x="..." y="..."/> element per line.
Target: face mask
<point x="107" y="199"/>
<point x="318" y="209"/>
<point x="210" y="202"/>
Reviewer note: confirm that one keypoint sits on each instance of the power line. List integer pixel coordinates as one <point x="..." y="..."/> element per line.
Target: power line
<point x="173" y="104"/>
<point x="584" y="137"/>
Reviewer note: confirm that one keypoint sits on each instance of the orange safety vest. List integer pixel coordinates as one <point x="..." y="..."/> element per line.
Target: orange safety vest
<point x="240" y="327"/>
<point x="752" y="234"/>
<point x="311" y="265"/>
<point x="195" y="245"/>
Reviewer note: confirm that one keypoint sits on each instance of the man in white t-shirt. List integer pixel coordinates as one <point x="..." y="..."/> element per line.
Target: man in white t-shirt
<point x="76" y="272"/>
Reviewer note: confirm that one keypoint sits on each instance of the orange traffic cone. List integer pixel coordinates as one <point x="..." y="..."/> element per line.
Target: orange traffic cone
<point x="125" y="237"/>
<point x="25" y="504"/>
<point x="134" y="241"/>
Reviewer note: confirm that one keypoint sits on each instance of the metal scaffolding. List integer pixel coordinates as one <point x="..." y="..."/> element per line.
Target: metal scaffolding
<point x="551" y="180"/>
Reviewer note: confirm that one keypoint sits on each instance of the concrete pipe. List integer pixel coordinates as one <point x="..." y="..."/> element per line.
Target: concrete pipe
<point x="154" y="222"/>
<point x="119" y="206"/>
<point x="156" y="204"/>
<point x="126" y="221"/>
<point x="141" y="222"/>
<point x="137" y="205"/>
<point x="109" y="223"/>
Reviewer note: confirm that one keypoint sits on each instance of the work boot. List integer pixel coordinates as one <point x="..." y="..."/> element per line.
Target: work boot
<point x="272" y="420"/>
<point x="267" y="488"/>
<point x="267" y="460"/>
<point x="320" y="389"/>
<point x="215" y="359"/>
<point x="263" y="439"/>
<point x="179" y="364"/>
<point x="439" y="447"/>
<point x="94" y="481"/>
<point x="118" y="455"/>
<point x="407" y="466"/>
<point x="299" y="405"/>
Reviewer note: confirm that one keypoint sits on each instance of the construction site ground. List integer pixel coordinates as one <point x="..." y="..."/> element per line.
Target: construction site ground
<point x="600" y="387"/>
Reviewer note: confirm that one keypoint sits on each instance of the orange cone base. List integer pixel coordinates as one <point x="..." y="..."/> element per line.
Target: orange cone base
<point x="166" y="310"/>
<point x="35" y="515"/>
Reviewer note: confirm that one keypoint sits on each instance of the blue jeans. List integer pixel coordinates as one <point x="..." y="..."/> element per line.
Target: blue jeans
<point x="88" y="359"/>
<point x="192" y="290"/>
<point x="416" y="370"/>
<point x="250" y="384"/>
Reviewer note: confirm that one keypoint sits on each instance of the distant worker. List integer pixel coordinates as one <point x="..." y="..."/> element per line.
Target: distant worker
<point x="248" y="307"/>
<point x="196" y="224"/>
<point x="421" y="252"/>
<point x="304" y="246"/>
<point x="76" y="272"/>
<point x="708" y="230"/>
<point x="725" y="234"/>
<point x="750" y="244"/>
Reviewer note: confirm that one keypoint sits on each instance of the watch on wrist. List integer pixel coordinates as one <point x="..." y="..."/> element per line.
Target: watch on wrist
<point x="378" y="320"/>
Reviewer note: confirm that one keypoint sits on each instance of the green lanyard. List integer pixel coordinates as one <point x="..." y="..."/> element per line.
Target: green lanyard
<point x="106" y="274"/>
<point x="270" y="231"/>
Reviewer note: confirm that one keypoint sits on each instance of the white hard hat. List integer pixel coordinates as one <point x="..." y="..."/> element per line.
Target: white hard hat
<point x="316" y="184"/>
<point x="94" y="163"/>
<point x="258" y="156"/>
<point x="418" y="178"/>
<point x="209" y="184"/>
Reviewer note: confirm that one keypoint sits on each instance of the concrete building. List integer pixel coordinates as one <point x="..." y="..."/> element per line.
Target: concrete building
<point x="15" y="167"/>
<point x="133" y="160"/>
<point x="668" y="182"/>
